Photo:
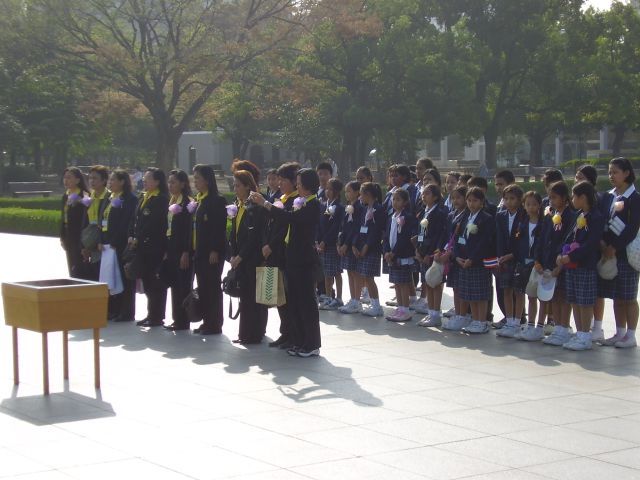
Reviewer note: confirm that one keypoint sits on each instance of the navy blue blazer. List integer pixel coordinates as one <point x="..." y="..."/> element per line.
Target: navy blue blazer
<point x="435" y="236"/>
<point x="375" y="229"/>
<point x="630" y="217"/>
<point x="506" y="240"/>
<point x="553" y="239"/>
<point x="523" y="251"/>
<point x="588" y="254"/>
<point x="404" y="247"/>
<point x="478" y="246"/>
<point x="329" y="227"/>
<point x="350" y="227"/>
<point x="387" y="203"/>
<point x="490" y="208"/>
<point x="273" y="196"/>
<point x="301" y="249"/>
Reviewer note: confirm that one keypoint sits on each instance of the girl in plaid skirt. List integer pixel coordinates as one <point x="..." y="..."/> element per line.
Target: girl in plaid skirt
<point x="326" y="240"/>
<point x="348" y="230"/>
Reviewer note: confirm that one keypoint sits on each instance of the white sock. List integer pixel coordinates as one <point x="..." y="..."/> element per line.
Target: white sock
<point x="597" y="325"/>
<point x="435" y="313"/>
<point x="620" y="331"/>
<point x="375" y="302"/>
<point x="631" y="334"/>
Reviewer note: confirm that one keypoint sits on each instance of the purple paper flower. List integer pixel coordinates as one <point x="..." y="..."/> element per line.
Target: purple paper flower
<point x="87" y="201"/>
<point x="192" y="206"/>
<point x="175" y="208"/>
<point x="278" y="204"/>
<point x="298" y="203"/>
<point x="116" y="202"/>
<point x="73" y="198"/>
<point x="232" y="210"/>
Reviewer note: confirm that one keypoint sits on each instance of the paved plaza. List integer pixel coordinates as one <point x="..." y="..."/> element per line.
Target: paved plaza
<point x="384" y="401"/>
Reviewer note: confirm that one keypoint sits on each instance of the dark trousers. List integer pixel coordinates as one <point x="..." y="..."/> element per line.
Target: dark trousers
<point x="303" y="307"/>
<point x="75" y="263"/>
<point x="124" y="304"/>
<point x="210" y="292"/>
<point x="253" y="316"/>
<point x="182" y="286"/>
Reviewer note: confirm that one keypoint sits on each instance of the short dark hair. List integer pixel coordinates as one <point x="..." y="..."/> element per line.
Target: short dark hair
<point x="353" y="185"/>
<point x="560" y="188"/>
<point x="289" y="171"/>
<point x="455" y="175"/>
<point x="183" y="178"/>
<point x="552" y="175"/>
<point x="403" y="171"/>
<point x="507" y="176"/>
<point x="513" y="189"/>
<point x="403" y="194"/>
<point x="464" y="178"/>
<point x="246" y="178"/>
<point x="335" y="185"/>
<point x="476" y="192"/>
<point x="370" y="188"/>
<point x="587" y="189"/>
<point x="325" y="166"/>
<point x="101" y="170"/>
<point x="625" y="165"/>
<point x="435" y="174"/>
<point x="479" y="182"/>
<point x="590" y="173"/>
<point x="426" y="162"/>
<point x="366" y="171"/>
<point x="461" y="190"/>
<point x="533" y="194"/>
<point x="435" y="190"/>
<point x="309" y="179"/>
<point x="206" y="172"/>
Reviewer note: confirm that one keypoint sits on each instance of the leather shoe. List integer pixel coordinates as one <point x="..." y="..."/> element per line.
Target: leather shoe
<point x="207" y="331"/>
<point x="174" y="327"/>
<point x="150" y="323"/>
<point x="120" y="318"/>
<point x="278" y="342"/>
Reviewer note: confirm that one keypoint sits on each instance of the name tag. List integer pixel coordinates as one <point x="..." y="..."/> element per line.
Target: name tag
<point x="421" y="238"/>
<point x="105" y="223"/>
<point x="406" y="261"/>
<point x="364" y="229"/>
<point x="462" y="241"/>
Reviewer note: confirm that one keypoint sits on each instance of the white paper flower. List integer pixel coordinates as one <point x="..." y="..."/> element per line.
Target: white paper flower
<point x="472" y="229"/>
<point x="424" y="223"/>
<point x="349" y="209"/>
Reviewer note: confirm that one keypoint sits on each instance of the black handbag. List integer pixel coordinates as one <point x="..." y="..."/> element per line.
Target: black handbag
<point x="231" y="283"/>
<point x="131" y="263"/>
<point x="191" y="305"/>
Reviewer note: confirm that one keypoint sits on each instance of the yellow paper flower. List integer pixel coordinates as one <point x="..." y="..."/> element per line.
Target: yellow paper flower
<point x="556" y="219"/>
<point x="581" y="222"/>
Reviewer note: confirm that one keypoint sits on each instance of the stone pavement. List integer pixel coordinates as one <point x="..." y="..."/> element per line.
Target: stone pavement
<point x="383" y="401"/>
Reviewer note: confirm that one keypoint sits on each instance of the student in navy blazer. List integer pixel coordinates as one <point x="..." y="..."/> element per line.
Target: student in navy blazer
<point x="348" y="232"/>
<point x="327" y="239"/>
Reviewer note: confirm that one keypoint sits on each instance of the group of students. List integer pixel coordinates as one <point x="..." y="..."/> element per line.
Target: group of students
<point x="424" y="232"/>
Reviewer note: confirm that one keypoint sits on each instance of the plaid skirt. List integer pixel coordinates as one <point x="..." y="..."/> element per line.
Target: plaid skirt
<point x="474" y="284"/>
<point x="452" y="276"/>
<point x="348" y="262"/>
<point x="623" y="287"/>
<point x="581" y="286"/>
<point x="504" y="276"/>
<point x="400" y="273"/>
<point x="331" y="262"/>
<point x="385" y="268"/>
<point x="369" y="266"/>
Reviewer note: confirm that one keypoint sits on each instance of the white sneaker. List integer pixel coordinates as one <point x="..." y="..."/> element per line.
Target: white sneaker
<point x="597" y="335"/>
<point x="476" y="327"/>
<point x="557" y="338"/>
<point x="456" y="323"/>
<point x="508" y="331"/>
<point x="414" y="303"/>
<point x="333" y="304"/>
<point x="431" y="321"/>
<point x="450" y="313"/>
<point x="352" y="306"/>
<point x="548" y="328"/>
<point x="420" y="306"/>
<point x="611" y="341"/>
<point x="364" y="296"/>
<point x="532" y="334"/>
<point x="578" y="343"/>
<point x="373" y="311"/>
<point x="627" y="342"/>
<point x="400" y="315"/>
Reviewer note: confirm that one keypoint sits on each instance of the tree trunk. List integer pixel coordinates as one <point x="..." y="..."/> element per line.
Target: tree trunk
<point x="536" y="141"/>
<point x="166" y="150"/>
<point x="490" y="142"/>
<point x="348" y="153"/>
<point x="618" y="139"/>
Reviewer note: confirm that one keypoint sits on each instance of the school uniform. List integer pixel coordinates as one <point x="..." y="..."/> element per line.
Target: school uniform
<point x="300" y="260"/>
<point x="209" y="235"/>
<point x="244" y="241"/>
<point x="372" y="226"/>
<point x="507" y="228"/>
<point x="116" y="222"/>
<point x="322" y="198"/>
<point x="434" y="237"/>
<point x="401" y="227"/>
<point x="552" y="240"/>
<point x="526" y="242"/>
<point x="150" y="232"/>
<point x="455" y="220"/>
<point x="273" y="196"/>
<point x="621" y="228"/>
<point x="74" y="220"/>
<point x="581" y="275"/>
<point x="274" y="234"/>
<point x="475" y="281"/>
<point x="178" y="243"/>
<point x="95" y="213"/>
<point x="348" y="230"/>
<point x="328" y="231"/>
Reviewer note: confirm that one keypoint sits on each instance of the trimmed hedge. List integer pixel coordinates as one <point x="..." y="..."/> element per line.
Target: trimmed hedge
<point x="30" y="221"/>
<point x="39" y="203"/>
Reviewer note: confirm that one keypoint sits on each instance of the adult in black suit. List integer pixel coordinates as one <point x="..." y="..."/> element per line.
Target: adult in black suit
<point x="301" y="256"/>
<point x="116" y="221"/>
<point x="209" y="242"/>
<point x="178" y="258"/>
<point x="98" y="201"/>
<point x="74" y="220"/>
<point x="245" y="255"/>
<point x="149" y="238"/>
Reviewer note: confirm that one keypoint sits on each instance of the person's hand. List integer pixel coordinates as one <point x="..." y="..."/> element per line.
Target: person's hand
<point x="321" y="247"/>
<point x="460" y="261"/>
<point x="356" y="252"/>
<point x="100" y="247"/>
<point x="256" y="198"/>
<point x="467" y="263"/>
<point x="235" y="261"/>
<point x="86" y="254"/>
<point x="184" y="261"/>
<point x="538" y="268"/>
<point x="214" y="258"/>
<point x="556" y="272"/>
<point x="266" y="251"/>
<point x="609" y="252"/>
<point x="342" y="250"/>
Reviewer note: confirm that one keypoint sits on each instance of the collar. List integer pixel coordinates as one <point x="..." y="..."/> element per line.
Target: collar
<point x="429" y="210"/>
<point x="104" y="193"/>
<point x="512" y="215"/>
<point x="473" y="216"/>
<point x="152" y="193"/>
<point x="115" y="195"/>
<point x="201" y="196"/>
<point x="405" y="186"/>
<point x="75" y="190"/>
<point x="627" y="193"/>
<point x="177" y="200"/>
<point x="287" y="196"/>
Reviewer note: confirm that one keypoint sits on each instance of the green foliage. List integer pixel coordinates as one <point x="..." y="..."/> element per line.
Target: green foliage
<point x="37" y="203"/>
<point x="30" y="221"/>
<point x="17" y="173"/>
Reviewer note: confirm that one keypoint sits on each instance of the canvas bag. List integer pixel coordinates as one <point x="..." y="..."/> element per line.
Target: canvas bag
<point x="270" y="287"/>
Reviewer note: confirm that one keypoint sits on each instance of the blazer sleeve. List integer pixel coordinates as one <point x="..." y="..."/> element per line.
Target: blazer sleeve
<point x="254" y="223"/>
<point x="182" y="222"/>
<point x="630" y="231"/>
<point x="592" y="242"/>
<point x="486" y="231"/>
<point x="443" y="230"/>
<point x="331" y="235"/>
<point x="379" y="227"/>
<point x="500" y="237"/>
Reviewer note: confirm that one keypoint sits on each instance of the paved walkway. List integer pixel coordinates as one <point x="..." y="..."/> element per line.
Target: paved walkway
<point x="384" y="401"/>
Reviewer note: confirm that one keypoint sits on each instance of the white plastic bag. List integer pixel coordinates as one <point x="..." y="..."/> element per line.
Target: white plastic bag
<point x="434" y="275"/>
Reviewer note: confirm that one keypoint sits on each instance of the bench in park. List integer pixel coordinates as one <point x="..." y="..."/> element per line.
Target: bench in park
<point x="18" y="189"/>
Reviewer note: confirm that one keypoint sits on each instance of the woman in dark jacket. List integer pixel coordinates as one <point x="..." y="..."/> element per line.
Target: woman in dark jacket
<point x="74" y="220"/>
<point x="300" y="258"/>
<point x="209" y="242"/>
<point x="178" y="259"/>
<point x="149" y="238"/>
<point x="116" y="220"/>
<point x="248" y="221"/>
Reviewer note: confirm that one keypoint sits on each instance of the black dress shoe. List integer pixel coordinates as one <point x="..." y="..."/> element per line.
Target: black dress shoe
<point x="174" y="327"/>
<point x="141" y="323"/>
<point x="278" y="342"/>
<point x="112" y="316"/>
<point x="207" y="331"/>
<point x="120" y="318"/>
<point x="285" y="346"/>
<point x="150" y="323"/>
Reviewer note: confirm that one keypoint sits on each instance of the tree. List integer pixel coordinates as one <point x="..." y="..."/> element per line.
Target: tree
<point x="171" y="55"/>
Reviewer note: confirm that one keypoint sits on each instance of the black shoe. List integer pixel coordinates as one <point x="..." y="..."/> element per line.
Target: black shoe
<point x="285" y="346"/>
<point x="500" y="324"/>
<point x="293" y="351"/>
<point x="174" y="327"/>
<point x="278" y="342"/>
<point x="112" y="316"/>
<point x="120" y="318"/>
<point x="150" y="323"/>
<point x="207" y="331"/>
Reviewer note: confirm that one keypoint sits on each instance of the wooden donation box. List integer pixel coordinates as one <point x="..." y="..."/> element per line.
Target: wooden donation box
<point x="56" y="306"/>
